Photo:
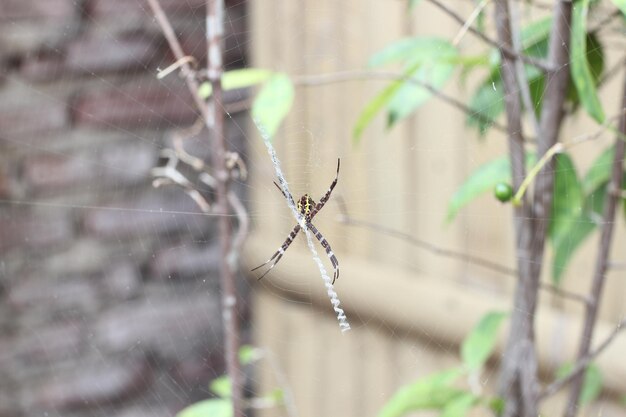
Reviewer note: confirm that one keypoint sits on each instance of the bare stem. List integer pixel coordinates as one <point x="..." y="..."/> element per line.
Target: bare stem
<point x="518" y="384"/>
<point x="346" y="219"/>
<point x="214" y="119"/>
<point x="351" y="75"/>
<point x="506" y="49"/>
<point x="582" y="363"/>
<point x="215" y="33"/>
<point x="602" y="261"/>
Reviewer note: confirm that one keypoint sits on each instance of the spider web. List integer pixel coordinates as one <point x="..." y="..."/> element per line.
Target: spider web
<point x="111" y="276"/>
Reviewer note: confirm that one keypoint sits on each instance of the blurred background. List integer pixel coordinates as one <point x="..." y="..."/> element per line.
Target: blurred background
<point x="109" y="288"/>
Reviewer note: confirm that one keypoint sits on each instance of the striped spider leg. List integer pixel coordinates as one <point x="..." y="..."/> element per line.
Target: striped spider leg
<point x="308" y="208"/>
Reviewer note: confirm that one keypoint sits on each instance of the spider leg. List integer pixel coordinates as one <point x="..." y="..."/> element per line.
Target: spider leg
<point x="280" y="252"/>
<point x="289" y="197"/>
<point x="326" y="246"/>
<point x="326" y="196"/>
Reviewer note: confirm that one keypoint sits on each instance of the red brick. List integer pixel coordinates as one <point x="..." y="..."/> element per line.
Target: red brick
<point x="83" y="257"/>
<point x="122" y="281"/>
<point x="135" y="105"/>
<point x="116" y="165"/>
<point x="168" y="324"/>
<point x="37" y="118"/>
<point x="193" y="41"/>
<point x="36" y="9"/>
<point x="42" y="66"/>
<point x="186" y="261"/>
<point x="158" y="211"/>
<point x="126" y="8"/>
<point x="49" y="294"/>
<point x="34" y="230"/>
<point x="54" y="342"/>
<point x="93" y="54"/>
<point x="92" y="385"/>
<point x="28" y="36"/>
<point x="106" y="54"/>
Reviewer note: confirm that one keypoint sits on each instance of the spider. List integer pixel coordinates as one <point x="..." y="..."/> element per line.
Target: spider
<point x="308" y="208"/>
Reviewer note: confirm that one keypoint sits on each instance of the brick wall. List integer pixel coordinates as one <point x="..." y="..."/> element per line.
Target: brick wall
<point x="108" y="288"/>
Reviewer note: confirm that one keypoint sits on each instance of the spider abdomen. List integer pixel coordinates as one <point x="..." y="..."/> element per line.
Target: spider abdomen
<point x="305" y="205"/>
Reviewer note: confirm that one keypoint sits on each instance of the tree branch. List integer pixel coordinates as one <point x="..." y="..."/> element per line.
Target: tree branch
<point x="602" y="260"/>
<point x="518" y="384"/>
<point x="351" y="75"/>
<point x="581" y="364"/>
<point x="346" y="219"/>
<point x="214" y="119"/>
<point x="505" y="49"/>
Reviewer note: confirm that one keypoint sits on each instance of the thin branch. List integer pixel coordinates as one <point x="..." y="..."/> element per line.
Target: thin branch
<point x="351" y="75"/>
<point x="602" y="260"/>
<point x="582" y="363"/>
<point x="470" y="20"/>
<point x="505" y="49"/>
<point x="518" y="383"/>
<point x="520" y="72"/>
<point x="242" y="229"/>
<point x="346" y="219"/>
<point x="214" y="119"/>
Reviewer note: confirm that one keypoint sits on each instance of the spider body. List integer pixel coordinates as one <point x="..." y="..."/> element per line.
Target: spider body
<point x="305" y="206"/>
<point x="308" y="208"/>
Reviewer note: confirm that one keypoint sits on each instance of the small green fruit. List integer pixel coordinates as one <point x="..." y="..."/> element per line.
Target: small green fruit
<point x="503" y="192"/>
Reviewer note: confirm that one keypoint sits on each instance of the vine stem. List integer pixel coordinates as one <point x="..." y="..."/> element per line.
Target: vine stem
<point x="213" y="116"/>
<point x="556" y="148"/>
<point x="582" y="363"/>
<point x="602" y="260"/>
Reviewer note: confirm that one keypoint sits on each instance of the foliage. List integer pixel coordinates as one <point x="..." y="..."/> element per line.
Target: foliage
<point x="438" y="391"/>
<point x="270" y="105"/>
<point x="427" y="62"/>
<point x="477" y="347"/>
<point x="592" y="382"/>
<point x="221" y="386"/>
<point x="481" y="181"/>
<point x="273" y="103"/>
<point x="576" y="207"/>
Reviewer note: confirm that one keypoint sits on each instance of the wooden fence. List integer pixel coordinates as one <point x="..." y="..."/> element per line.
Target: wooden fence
<point x="408" y="307"/>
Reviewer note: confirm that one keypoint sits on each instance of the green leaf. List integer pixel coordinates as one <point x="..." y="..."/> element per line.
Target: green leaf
<point x="248" y="354"/>
<point x="273" y="103"/>
<point x="574" y="230"/>
<point x="483" y="180"/>
<point x="536" y="32"/>
<point x="580" y="70"/>
<point x="479" y="344"/>
<point x="415" y="51"/>
<point x="373" y="107"/>
<point x="221" y="386"/>
<point x="239" y="78"/>
<point x="496" y="405"/>
<point x="599" y="172"/>
<point x="567" y="201"/>
<point x="431" y="392"/>
<point x="487" y="102"/>
<point x="620" y="4"/>
<point x="459" y="406"/>
<point x="213" y="408"/>
<point x="428" y="60"/>
<point x="411" y="96"/>
<point x="485" y="105"/>
<point x="592" y="382"/>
